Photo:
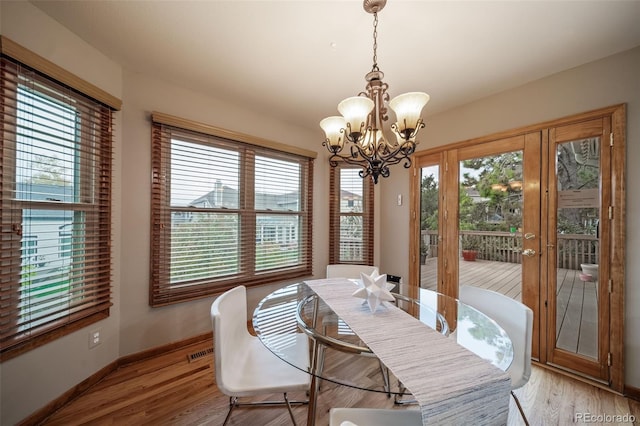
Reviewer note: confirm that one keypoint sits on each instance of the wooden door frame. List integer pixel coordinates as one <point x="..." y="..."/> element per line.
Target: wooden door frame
<point x="617" y="243"/>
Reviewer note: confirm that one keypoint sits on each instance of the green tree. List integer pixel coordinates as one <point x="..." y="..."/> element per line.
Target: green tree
<point x="575" y="171"/>
<point x="498" y="180"/>
<point x="429" y="203"/>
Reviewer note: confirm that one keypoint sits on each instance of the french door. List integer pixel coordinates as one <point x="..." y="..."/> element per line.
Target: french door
<point x="543" y="209"/>
<point x="509" y="243"/>
<point x="578" y="232"/>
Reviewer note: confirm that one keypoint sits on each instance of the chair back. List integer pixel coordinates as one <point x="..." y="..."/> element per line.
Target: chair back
<point x="374" y="417"/>
<point x="349" y="271"/>
<point x="515" y="318"/>
<point x="230" y="334"/>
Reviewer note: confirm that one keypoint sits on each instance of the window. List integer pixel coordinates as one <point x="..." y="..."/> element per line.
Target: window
<point x="351" y="217"/>
<point x="224" y="212"/>
<point x="55" y="273"/>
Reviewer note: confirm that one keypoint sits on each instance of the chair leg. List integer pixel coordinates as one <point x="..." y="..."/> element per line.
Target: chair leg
<point x="526" y="422"/>
<point x="397" y="399"/>
<point x="385" y="377"/>
<point x="232" y="403"/>
<point x="320" y="367"/>
<point x="289" y="408"/>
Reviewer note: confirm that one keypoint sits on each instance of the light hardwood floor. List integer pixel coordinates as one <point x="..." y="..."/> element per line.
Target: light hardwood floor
<point x="170" y="390"/>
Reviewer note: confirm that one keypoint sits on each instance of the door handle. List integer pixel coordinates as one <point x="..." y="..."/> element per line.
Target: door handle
<point x="529" y="236"/>
<point x="529" y="252"/>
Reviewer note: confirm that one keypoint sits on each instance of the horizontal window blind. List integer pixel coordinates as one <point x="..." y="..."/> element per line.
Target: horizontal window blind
<point x="225" y="213"/>
<point x="351" y="216"/>
<point x="55" y="208"/>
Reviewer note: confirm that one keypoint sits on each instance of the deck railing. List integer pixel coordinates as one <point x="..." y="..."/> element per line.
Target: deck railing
<point x="572" y="249"/>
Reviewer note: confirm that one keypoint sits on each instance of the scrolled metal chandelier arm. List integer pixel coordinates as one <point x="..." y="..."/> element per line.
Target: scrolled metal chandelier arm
<point x="378" y="163"/>
<point x="360" y="128"/>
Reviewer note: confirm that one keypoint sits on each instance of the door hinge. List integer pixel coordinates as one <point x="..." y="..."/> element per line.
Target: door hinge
<point x="609" y="361"/>
<point x="611" y="139"/>
<point x="610" y="212"/>
<point x="446" y="166"/>
<point x="610" y="286"/>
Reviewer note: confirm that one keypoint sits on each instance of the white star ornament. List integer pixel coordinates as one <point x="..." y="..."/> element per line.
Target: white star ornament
<point x="374" y="290"/>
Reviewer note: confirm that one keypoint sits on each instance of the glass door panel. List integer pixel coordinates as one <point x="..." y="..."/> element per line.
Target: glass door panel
<point x="490" y="222"/>
<point x="578" y="217"/>
<point x="498" y="223"/>
<point x="429" y="217"/>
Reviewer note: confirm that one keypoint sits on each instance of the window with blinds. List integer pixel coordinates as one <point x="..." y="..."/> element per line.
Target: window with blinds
<point x="351" y="217"/>
<point x="225" y="213"/>
<point x="55" y="273"/>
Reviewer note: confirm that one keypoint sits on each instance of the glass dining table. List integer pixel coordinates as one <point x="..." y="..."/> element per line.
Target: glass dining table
<point x="338" y="355"/>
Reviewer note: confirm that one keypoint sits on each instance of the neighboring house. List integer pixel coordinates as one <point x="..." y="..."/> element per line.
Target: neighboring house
<point x="271" y="228"/>
<point x="222" y="196"/>
<point x="350" y="202"/>
<point x="46" y="234"/>
<point x="475" y="196"/>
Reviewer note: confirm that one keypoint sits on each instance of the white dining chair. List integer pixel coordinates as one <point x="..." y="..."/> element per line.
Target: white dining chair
<point x="349" y="271"/>
<point x="517" y="320"/>
<point x="374" y="417"/>
<point x="244" y="367"/>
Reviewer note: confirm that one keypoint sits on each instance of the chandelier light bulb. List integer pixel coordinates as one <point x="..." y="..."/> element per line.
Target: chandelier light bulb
<point x="408" y="108"/>
<point x="355" y="111"/>
<point x="333" y="128"/>
<point x="369" y="140"/>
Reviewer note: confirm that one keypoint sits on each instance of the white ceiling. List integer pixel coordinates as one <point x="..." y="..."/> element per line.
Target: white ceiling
<point x="297" y="59"/>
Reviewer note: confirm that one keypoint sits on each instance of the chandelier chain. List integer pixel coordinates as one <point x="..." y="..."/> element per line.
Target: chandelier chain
<point x="375" y="42"/>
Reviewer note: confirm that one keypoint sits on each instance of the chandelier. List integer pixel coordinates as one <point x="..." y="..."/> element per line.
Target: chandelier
<point x="357" y="136"/>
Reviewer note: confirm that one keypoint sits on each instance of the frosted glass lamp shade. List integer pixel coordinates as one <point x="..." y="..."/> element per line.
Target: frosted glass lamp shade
<point x="408" y="108"/>
<point x="355" y="111"/>
<point x="333" y="129"/>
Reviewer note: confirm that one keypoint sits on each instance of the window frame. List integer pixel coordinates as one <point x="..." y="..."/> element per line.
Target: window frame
<point x="161" y="290"/>
<point x="91" y="292"/>
<point x="335" y="215"/>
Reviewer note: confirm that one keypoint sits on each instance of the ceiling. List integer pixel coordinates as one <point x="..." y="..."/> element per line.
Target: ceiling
<point x="295" y="60"/>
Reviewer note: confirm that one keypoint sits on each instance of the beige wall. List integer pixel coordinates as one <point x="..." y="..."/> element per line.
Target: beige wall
<point x="143" y="327"/>
<point x="32" y="380"/>
<point x="607" y="82"/>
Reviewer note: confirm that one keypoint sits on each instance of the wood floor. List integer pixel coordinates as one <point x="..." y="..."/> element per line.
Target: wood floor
<point x="170" y="390"/>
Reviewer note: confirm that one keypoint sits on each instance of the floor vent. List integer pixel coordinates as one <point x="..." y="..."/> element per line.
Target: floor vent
<point x="197" y="355"/>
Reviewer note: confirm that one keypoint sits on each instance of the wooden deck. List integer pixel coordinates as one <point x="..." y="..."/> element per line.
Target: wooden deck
<point x="577" y="313"/>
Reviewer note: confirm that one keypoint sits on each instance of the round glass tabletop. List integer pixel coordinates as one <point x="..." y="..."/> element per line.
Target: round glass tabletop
<point x="343" y="359"/>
